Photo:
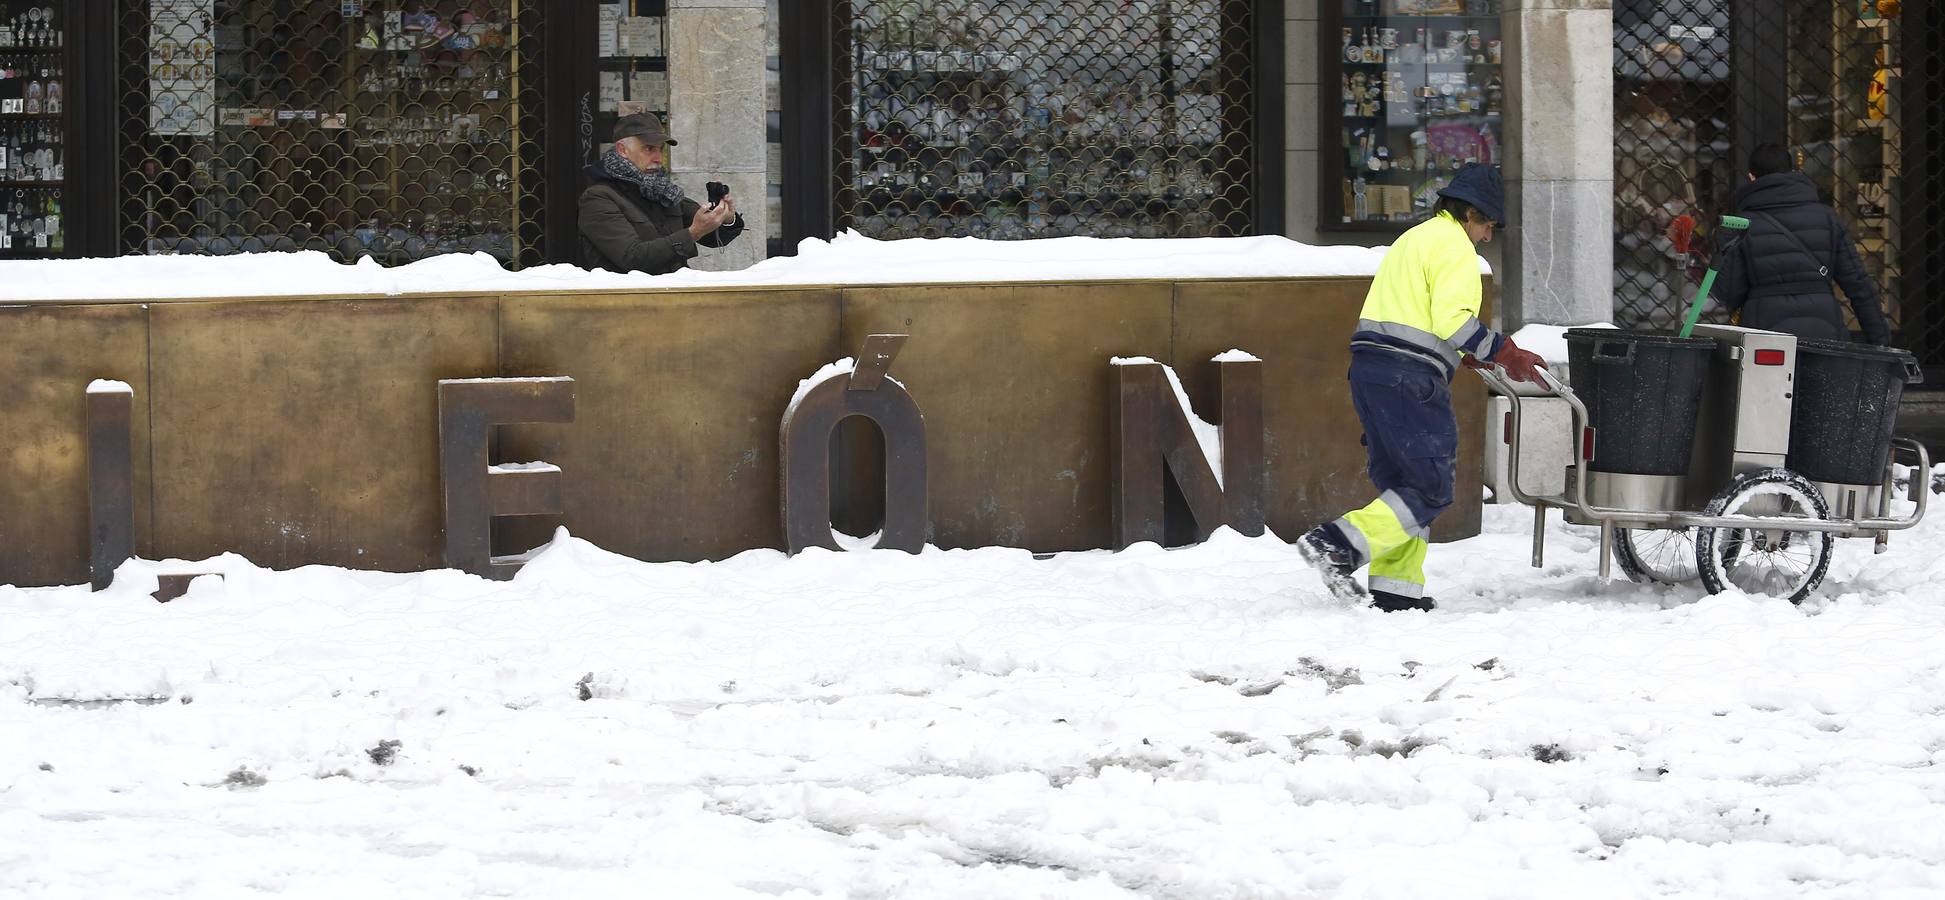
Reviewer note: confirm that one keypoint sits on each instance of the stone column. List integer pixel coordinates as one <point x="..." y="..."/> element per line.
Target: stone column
<point x="716" y="112"/>
<point x="1559" y="162"/>
<point x="1300" y="131"/>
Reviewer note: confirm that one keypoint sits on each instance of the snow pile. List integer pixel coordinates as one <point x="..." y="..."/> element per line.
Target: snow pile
<point x="977" y="724"/>
<point x="849" y="259"/>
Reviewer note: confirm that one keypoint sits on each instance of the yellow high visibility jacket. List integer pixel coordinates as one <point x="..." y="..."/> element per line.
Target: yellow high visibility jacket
<point x="1424" y="302"/>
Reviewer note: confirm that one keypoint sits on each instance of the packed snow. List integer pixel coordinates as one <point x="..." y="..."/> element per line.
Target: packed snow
<point x="1194" y="723"/>
<point x="109" y="386"/>
<point x="848" y="259"/>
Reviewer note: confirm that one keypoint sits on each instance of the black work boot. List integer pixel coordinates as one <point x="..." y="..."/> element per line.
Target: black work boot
<point x="1390" y="602"/>
<point x="1324" y="549"/>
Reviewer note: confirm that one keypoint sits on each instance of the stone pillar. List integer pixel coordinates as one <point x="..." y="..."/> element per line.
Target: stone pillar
<point x="1559" y="162"/>
<point x="716" y="113"/>
<point x="1301" y="95"/>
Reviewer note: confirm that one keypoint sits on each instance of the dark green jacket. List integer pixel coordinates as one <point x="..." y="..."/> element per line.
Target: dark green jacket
<point x="623" y="232"/>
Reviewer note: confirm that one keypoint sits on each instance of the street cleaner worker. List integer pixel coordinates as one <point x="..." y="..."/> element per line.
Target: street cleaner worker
<point x="1419" y="324"/>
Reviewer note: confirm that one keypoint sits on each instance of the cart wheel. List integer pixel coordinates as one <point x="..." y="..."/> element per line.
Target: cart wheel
<point x="1656" y="555"/>
<point x="1778" y="562"/>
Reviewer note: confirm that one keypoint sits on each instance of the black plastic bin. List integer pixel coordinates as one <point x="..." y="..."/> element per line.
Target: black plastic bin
<point x="1846" y="407"/>
<point x="1642" y="390"/>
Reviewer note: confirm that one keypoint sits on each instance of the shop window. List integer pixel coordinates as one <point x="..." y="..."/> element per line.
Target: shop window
<point x="1012" y="119"/>
<point x="1845" y="131"/>
<point x="361" y="128"/>
<point x="34" y="127"/>
<point x="1673" y="149"/>
<point x="1419" y="94"/>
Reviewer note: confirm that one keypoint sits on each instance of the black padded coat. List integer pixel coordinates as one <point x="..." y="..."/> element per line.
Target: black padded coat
<point x="1783" y="284"/>
<point x="621" y="231"/>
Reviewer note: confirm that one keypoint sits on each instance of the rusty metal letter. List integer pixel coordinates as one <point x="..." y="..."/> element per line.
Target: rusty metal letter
<point x="111" y="480"/>
<point x="1151" y="435"/>
<point x="475" y="492"/>
<point x="806" y="450"/>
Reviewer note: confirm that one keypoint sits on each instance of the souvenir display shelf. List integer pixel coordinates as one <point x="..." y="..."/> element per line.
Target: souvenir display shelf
<point x="34" y="61"/>
<point x="433" y="129"/>
<point x="1412" y="90"/>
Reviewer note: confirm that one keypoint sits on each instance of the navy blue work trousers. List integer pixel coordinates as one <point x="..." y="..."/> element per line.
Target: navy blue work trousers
<point x="1410" y="434"/>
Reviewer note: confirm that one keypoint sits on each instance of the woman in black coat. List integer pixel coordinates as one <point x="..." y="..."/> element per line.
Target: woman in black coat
<point x="1779" y="273"/>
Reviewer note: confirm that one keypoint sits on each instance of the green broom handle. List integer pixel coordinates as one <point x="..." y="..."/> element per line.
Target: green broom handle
<point x="1733" y="223"/>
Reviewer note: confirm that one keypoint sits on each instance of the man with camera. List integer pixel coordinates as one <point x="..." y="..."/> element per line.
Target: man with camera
<point x="635" y="218"/>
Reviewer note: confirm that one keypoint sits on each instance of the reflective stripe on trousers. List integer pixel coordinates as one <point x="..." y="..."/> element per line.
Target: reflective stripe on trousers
<point x="1412" y="442"/>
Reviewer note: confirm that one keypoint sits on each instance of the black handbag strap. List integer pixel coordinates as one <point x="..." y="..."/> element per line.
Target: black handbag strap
<point x="1822" y="268"/>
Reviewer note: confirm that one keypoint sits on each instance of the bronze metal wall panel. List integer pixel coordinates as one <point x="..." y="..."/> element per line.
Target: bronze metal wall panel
<point x="1302" y="330"/>
<point x="679" y="397"/>
<point x="1014" y="383"/>
<point x="48" y="354"/>
<point x="307" y="432"/>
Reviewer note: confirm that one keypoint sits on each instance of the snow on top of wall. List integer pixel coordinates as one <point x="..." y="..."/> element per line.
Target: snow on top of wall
<point x="109" y="386"/>
<point x="850" y="258"/>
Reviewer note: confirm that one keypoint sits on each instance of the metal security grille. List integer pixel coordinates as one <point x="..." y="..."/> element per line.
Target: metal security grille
<point x="1699" y="83"/>
<point x="1921" y="117"/>
<point x="1015" y="119"/>
<point x="391" y="130"/>
<point x="1844" y="127"/>
<point x="1672" y="151"/>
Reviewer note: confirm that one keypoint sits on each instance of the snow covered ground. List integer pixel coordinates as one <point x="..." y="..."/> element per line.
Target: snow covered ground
<point x="1193" y="723"/>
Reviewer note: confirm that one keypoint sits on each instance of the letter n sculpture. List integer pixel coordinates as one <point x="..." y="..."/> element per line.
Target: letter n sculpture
<point x="830" y="397"/>
<point x="1152" y="435"/>
<point x="476" y="492"/>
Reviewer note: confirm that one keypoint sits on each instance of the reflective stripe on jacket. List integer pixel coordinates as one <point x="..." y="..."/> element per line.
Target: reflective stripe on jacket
<point x="1424" y="302"/>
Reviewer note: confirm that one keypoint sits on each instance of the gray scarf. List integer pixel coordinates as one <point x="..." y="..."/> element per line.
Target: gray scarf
<point x="656" y="187"/>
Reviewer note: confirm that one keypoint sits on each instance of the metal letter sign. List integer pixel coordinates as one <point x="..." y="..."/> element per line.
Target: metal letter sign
<point x="806" y="448"/>
<point x="475" y="492"/>
<point x="111" y="480"/>
<point x="1151" y="432"/>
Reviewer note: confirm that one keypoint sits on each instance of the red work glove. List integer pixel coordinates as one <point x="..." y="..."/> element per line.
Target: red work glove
<point x="1520" y="365"/>
<point x="1474" y="362"/>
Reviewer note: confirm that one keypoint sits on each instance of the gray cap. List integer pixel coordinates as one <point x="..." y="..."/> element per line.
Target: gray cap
<point x="646" y="126"/>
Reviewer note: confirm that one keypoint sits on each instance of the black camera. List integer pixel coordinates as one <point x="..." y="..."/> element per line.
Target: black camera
<point x="717" y="191"/>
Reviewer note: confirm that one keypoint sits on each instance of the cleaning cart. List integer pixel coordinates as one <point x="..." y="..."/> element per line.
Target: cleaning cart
<point x="1733" y="456"/>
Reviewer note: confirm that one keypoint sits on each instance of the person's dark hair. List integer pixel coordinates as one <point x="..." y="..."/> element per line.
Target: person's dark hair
<point x="1459" y="209"/>
<point x="1769" y="159"/>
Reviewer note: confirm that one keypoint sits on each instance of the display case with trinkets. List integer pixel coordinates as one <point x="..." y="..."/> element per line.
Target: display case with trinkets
<point x="433" y="130"/>
<point x="1413" y="90"/>
<point x="389" y="129"/>
<point x="34" y="60"/>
